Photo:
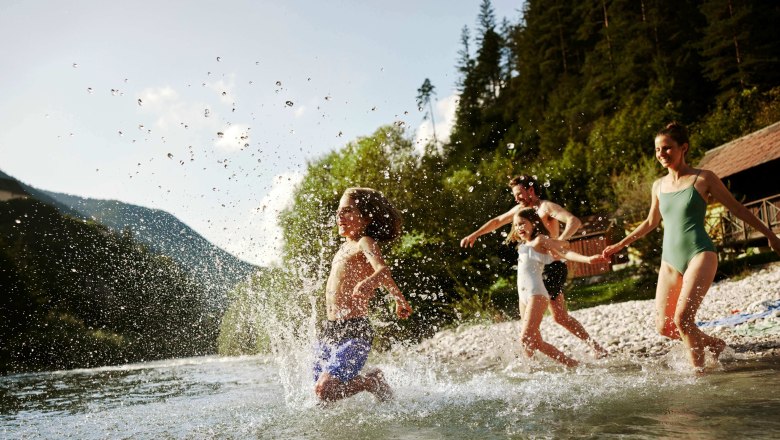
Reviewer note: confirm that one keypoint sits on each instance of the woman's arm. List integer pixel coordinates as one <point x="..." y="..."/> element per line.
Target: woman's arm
<point x="650" y="223"/>
<point x="719" y="192"/>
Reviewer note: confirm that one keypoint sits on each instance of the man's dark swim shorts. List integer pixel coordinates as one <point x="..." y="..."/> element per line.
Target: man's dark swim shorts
<point x="554" y="277"/>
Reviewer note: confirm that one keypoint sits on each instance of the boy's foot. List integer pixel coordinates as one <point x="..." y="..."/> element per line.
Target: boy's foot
<point x="379" y="386"/>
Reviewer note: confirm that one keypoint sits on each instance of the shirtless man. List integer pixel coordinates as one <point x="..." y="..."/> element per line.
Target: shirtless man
<point x="364" y="217"/>
<point x="524" y="190"/>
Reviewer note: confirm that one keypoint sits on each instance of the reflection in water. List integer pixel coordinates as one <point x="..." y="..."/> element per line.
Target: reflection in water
<point x="244" y="397"/>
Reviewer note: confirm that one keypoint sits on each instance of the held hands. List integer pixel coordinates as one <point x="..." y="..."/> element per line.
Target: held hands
<point x="611" y="250"/>
<point x="593" y="259"/>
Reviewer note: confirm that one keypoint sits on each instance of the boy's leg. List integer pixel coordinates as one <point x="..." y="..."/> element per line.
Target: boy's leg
<point x="340" y="377"/>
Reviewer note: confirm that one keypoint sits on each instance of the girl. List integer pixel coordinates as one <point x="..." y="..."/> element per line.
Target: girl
<point x="534" y="251"/>
<point x="688" y="258"/>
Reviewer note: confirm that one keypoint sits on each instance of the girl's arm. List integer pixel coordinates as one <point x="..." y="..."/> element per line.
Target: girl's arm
<point x="560" y="249"/>
<point x="650" y="223"/>
<point x="719" y="192"/>
<point x="380" y="278"/>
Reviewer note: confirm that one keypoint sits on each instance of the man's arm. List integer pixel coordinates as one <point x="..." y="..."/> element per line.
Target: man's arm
<point x="560" y="213"/>
<point x="490" y="226"/>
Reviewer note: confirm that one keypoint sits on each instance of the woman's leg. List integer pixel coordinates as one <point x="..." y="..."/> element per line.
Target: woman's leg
<point x="530" y="336"/>
<point x="667" y="292"/>
<point x="695" y="284"/>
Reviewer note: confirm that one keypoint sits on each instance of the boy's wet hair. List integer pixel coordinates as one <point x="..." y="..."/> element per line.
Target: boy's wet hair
<point x="526" y="182"/>
<point x="532" y="216"/>
<point x="676" y="131"/>
<point x="385" y="222"/>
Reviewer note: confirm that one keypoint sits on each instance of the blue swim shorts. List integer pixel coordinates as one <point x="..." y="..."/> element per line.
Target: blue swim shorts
<point x="343" y="348"/>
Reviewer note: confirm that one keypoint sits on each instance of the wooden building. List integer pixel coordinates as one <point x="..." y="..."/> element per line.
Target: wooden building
<point x="750" y="168"/>
<point x="591" y="238"/>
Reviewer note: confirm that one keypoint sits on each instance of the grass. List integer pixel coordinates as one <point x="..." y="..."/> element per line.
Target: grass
<point x="629" y="285"/>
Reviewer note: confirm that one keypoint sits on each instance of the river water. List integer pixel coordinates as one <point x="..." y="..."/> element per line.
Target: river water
<point x="263" y="397"/>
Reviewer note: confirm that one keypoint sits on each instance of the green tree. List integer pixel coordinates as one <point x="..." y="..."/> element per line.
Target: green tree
<point x="424" y="94"/>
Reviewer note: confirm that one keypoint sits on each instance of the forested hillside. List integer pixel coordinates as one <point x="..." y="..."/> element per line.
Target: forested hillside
<point x="76" y="294"/>
<point x="573" y="94"/>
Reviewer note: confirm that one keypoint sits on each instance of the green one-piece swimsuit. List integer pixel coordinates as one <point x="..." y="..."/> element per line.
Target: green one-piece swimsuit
<point x="684" y="234"/>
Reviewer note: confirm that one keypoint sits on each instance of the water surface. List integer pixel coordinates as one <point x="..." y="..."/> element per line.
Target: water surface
<point x="257" y="397"/>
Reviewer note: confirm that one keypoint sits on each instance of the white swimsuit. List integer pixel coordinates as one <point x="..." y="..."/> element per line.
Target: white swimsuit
<point x="530" y="265"/>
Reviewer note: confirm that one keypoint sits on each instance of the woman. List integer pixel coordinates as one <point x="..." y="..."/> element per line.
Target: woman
<point x="688" y="260"/>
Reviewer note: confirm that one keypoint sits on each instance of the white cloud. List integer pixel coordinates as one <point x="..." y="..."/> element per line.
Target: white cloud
<point x="173" y="112"/>
<point x="444" y="115"/>
<point x="233" y="138"/>
<point x="224" y="89"/>
<point x="263" y="223"/>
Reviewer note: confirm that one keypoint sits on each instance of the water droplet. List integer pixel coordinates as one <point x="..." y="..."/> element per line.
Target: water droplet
<point x="546" y="184"/>
<point x="340" y="133"/>
<point x="219" y="59"/>
<point x="120" y="132"/>
<point x="206" y="113"/>
<point x="140" y="102"/>
<point x="114" y="92"/>
<point x="89" y="89"/>
<point x="278" y="83"/>
<point x="328" y="98"/>
<point x="18" y="221"/>
<point x="170" y="155"/>
<point x="289" y="103"/>
<point x="220" y="134"/>
<point x="510" y="146"/>
<point x="471" y="189"/>
<point x="75" y="65"/>
<point x="224" y="93"/>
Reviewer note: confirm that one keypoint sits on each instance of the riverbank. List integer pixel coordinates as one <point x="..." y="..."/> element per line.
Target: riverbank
<point x="743" y="312"/>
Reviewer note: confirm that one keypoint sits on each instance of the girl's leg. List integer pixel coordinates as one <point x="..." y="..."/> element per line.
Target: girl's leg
<point x="667" y="292"/>
<point x="530" y="336"/>
<point x="562" y="317"/>
<point x="696" y="282"/>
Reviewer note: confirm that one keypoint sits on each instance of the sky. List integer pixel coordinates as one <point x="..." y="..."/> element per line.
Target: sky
<point x="211" y="110"/>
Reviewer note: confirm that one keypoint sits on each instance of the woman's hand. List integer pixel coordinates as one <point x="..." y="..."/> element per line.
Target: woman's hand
<point x="611" y="250"/>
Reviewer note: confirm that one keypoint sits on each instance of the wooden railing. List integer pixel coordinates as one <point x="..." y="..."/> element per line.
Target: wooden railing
<point x="725" y="228"/>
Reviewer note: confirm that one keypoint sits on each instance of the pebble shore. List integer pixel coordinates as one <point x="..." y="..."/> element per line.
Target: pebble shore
<point x="627" y="329"/>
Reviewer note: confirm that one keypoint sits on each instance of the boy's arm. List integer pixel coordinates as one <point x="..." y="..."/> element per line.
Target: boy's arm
<point x="381" y="277"/>
<point x="490" y="226"/>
